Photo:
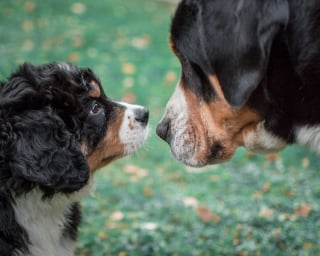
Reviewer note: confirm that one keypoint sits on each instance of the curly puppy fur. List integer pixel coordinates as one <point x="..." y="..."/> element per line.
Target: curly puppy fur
<point x="56" y="128"/>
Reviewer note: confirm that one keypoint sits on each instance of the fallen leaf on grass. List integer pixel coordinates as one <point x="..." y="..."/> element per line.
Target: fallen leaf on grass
<point x="288" y="192"/>
<point x="73" y="57"/>
<point x="266" y="213"/>
<point x="259" y="193"/>
<point x="147" y="191"/>
<point x="129" y="97"/>
<point x="78" y="8"/>
<point x="308" y="245"/>
<point x="116" y="216"/>
<point x="29" y="6"/>
<point x="149" y="226"/>
<point x="170" y="78"/>
<point x="303" y="210"/>
<point x="141" y="42"/>
<point x="305" y="162"/>
<point x="27" y="25"/>
<point x="272" y="157"/>
<point x="102" y="235"/>
<point x="214" y="178"/>
<point x="206" y="215"/>
<point x="190" y="201"/>
<point x="128" y="68"/>
<point x="136" y="172"/>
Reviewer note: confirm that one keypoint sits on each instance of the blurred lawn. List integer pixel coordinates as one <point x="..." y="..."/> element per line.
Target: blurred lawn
<point x="149" y="204"/>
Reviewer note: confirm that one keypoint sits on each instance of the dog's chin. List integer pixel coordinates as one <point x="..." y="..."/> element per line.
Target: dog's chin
<point x="208" y="155"/>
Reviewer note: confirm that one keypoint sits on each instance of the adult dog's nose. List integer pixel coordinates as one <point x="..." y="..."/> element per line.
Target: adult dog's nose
<point x="163" y="130"/>
<point x="142" y="115"/>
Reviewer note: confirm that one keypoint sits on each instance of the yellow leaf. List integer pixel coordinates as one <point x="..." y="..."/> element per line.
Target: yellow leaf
<point x="102" y="235"/>
<point x="128" y="68"/>
<point x="308" y="245"/>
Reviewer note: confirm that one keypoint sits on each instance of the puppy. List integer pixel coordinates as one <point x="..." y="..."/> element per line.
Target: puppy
<point x="250" y="77"/>
<point x="57" y="127"/>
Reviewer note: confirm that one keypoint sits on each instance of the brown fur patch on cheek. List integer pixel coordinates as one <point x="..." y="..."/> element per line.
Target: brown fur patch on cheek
<point x="95" y="89"/>
<point x="217" y="122"/>
<point x="234" y="121"/>
<point x="110" y="147"/>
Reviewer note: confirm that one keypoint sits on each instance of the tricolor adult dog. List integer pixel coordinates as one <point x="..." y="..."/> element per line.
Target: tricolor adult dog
<point x="56" y="128"/>
<point x="250" y="76"/>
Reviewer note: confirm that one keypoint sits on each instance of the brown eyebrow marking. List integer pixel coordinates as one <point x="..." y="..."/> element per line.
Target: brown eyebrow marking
<point x="95" y="89"/>
<point x="172" y="46"/>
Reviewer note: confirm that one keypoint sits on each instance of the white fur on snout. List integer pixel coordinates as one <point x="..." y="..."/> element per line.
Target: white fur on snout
<point x="132" y="133"/>
<point x="309" y="136"/>
<point x="262" y="141"/>
<point x="182" y="140"/>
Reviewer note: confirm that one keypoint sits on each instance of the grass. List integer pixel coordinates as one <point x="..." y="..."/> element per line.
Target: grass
<point x="149" y="204"/>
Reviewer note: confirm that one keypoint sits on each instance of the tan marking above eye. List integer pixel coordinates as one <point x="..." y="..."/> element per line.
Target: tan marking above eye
<point x="172" y="46"/>
<point x="95" y="89"/>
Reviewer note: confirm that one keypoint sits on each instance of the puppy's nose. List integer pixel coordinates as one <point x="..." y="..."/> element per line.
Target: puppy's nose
<point x="142" y="115"/>
<point x="163" y="130"/>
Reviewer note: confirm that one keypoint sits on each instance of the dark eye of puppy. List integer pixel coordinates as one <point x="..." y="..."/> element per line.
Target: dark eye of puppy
<point x="95" y="108"/>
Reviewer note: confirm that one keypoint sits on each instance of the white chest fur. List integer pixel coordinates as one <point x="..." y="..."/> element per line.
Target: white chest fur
<point x="44" y="221"/>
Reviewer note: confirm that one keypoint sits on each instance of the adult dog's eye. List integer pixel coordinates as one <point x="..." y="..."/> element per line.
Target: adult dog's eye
<point x="95" y="108"/>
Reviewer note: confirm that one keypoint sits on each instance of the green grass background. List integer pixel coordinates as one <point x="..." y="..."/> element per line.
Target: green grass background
<point x="149" y="204"/>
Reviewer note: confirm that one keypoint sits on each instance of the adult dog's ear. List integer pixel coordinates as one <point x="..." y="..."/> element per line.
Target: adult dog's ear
<point x="239" y="43"/>
<point x="230" y="39"/>
<point x="45" y="154"/>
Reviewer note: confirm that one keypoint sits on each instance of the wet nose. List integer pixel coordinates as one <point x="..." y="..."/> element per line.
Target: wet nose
<point x="163" y="130"/>
<point x="142" y="115"/>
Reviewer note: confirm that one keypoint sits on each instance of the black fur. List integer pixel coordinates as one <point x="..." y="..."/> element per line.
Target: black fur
<point x="265" y="54"/>
<point x="44" y="120"/>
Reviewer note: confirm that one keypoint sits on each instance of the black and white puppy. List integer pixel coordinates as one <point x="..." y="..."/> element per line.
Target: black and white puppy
<point x="56" y="128"/>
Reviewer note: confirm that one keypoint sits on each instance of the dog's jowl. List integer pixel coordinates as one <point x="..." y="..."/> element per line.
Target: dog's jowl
<point x="57" y="127"/>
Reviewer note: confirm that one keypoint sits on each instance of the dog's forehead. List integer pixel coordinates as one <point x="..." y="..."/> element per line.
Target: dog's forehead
<point x="67" y="67"/>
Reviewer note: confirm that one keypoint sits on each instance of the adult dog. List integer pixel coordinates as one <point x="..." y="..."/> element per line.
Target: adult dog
<point x="56" y="128"/>
<point x="250" y="76"/>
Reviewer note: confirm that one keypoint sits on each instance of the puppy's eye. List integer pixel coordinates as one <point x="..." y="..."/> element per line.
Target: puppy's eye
<point x="95" y="108"/>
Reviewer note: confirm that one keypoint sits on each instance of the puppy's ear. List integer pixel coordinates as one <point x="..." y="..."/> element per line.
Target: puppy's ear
<point x="241" y="52"/>
<point x="45" y="154"/>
